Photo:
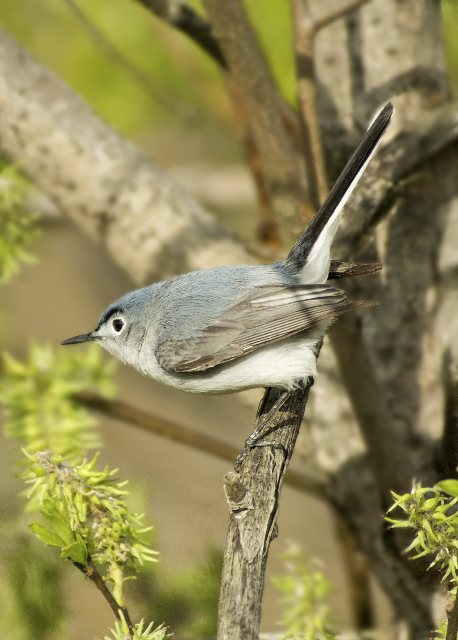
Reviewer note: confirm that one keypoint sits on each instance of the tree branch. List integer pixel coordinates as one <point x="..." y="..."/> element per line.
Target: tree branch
<point x="132" y="415"/>
<point x="283" y="175"/>
<point x="94" y="576"/>
<point x="183" y="17"/>
<point x="387" y="449"/>
<point x="253" y="499"/>
<point x="151" y="227"/>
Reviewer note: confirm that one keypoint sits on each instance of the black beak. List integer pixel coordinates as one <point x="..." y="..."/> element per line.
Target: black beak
<point x="84" y="337"/>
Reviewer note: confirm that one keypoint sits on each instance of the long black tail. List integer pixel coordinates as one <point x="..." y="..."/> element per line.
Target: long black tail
<point x="340" y="191"/>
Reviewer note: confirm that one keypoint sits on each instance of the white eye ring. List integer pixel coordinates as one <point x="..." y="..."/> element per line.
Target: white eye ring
<point x="118" y="325"/>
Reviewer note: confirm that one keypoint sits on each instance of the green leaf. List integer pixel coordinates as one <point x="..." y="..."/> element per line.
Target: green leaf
<point x="46" y="535"/>
<point x="76" y="551"/>
<point x="59" y="519"/>
<point x="449" y="486"/>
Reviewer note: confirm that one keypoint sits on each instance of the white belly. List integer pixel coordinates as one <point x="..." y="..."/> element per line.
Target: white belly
<point x="282" y="364"/>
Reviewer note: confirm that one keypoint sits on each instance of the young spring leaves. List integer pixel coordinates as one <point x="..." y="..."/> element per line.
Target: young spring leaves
<point x="121" y="631"/>
<point x="434" y="518"/>
<point x="89" y="516"/>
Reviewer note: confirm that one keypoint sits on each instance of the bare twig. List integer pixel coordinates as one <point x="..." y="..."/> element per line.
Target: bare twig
<point x="183" y="17"/>
<point x="132" y="415"/>
<point x="94" y="576"/>
<point x="185" y="111"/>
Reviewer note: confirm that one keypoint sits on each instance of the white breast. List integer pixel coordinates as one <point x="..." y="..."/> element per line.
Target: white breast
<point x="282" y="364"/>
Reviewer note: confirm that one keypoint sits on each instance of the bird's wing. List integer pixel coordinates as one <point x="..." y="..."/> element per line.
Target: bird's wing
<point x="273" y="313"/>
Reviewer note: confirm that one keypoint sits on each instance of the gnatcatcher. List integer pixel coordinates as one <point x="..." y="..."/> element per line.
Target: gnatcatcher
<point x="232" y="328"/>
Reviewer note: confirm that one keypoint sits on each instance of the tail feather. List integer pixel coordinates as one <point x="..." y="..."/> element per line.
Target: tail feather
<point x="311" y="253"/>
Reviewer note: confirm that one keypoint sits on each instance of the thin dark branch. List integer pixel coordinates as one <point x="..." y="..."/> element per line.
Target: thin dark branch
<point x="183" y="17"/>
<point x="94" y="576"/>
<point x="340" y="12"/>
<point x="452" y="615"/>
<point x="132" y="415"/>
<point x="357" y="71"/>
<point x="110" y="51"/>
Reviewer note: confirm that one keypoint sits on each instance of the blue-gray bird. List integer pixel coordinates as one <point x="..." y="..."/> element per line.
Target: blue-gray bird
<point x="232" y="328"/>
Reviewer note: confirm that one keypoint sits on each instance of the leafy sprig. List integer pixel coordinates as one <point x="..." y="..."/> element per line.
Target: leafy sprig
<point x="434" y="518"/>
<point x="121" y="631"/>
<point x="89" y="516"/>
<point x="431" y="514"/>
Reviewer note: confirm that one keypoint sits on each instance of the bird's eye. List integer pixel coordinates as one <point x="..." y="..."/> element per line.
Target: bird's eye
<point x="117" y="325"/>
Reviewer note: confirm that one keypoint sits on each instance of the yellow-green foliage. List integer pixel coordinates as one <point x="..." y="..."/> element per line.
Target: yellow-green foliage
<point x="40" y="408"/>
<point x="433" y="516"/>
<point x="88" y="514"/>
<point x="306" y="610"/>
<point x="121" y="631"/>
<point x="17" y="227"/>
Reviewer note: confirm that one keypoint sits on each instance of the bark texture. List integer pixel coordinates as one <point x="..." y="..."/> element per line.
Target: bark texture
<point x="253" y="497"/>
<point x="151" y="227"/>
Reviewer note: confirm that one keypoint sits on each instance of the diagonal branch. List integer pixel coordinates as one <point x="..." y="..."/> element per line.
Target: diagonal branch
<point x="132" y="415"/>
<point x="284" y="176"/>
<point x="148" y="224"/>
<point x="94" y="576"/>
<point x="183" y="17"/>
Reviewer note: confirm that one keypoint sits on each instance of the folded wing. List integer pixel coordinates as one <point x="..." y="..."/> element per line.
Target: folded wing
<point x="272" y="314"/>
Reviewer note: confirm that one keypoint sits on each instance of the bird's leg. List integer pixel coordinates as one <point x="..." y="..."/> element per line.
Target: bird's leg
<point x="253" y="440"/>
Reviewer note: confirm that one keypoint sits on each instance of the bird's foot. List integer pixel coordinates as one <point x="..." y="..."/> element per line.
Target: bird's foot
<point x="254" y="439"/>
